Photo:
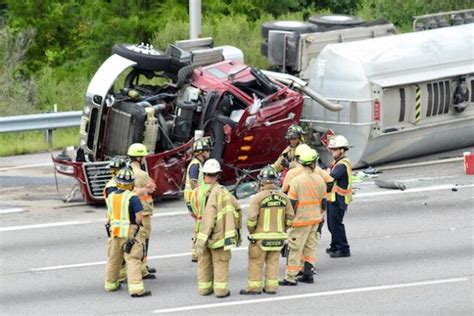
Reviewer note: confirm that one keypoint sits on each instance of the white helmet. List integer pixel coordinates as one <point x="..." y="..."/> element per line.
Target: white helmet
<point x="211" y="166"/>
<point x="338" y="141"/>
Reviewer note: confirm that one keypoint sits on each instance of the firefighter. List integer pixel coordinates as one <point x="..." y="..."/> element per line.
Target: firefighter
<point x="144" y="187"/>
<point x="194" y="178"/>
<point x="294" y="135"/>
<point x="124" y="215"/>
<point x="300" y="169"/>
<point x="270" y="215"/>
<point x="340" y="196"/>
<point x="115" y="164"/>
<point x="306" y="193"/>
<point x="218" y="233"/>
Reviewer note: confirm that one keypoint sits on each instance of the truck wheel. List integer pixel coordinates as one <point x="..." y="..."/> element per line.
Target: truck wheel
<point x="146" y="57"/>
<point x="330" y="21"/>
<point x="298" y="27"/>
<point x="184" y="74"/>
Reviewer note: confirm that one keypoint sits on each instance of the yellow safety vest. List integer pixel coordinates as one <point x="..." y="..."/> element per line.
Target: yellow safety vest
<point x="188" y="190"/>
<point x="118" y="213"/>
<point x="346" y="193"/>
<point x="198" y="203"/>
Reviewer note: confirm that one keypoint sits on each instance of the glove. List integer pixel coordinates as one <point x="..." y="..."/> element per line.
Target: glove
<point x="199" y="251"/>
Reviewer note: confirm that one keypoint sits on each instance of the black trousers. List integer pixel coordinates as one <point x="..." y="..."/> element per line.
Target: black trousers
<point x="335" y="216"/>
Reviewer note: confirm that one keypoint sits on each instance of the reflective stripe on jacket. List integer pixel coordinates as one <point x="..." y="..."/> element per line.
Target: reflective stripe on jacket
<point x="270" y="214"/>
<point x="308" y="189"/>
<point x="221" y="220"/>
<point x="347" y="193"/>
<point x="198" y="203"/>
<point x="118" y="213"/>
<point x="188" y="190"/>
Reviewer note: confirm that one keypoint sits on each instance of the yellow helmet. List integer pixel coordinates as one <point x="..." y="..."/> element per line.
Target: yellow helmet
<point x="137" y="150"/>
<point x="308" y="157"/>
<point x="300" y="149"/>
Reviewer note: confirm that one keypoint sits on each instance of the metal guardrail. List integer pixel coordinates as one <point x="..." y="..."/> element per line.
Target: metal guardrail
<point x="47" y="122"/>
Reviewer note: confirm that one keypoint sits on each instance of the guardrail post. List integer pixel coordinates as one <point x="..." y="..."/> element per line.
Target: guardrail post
<point x="48" y="136"/>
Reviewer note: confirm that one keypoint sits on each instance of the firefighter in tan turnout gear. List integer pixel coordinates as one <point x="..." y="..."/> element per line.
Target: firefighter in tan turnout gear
<point x="115" y="164"/>
<point x="294" y="135"/>
<point x="124" y="215"/>
<point x="307" y="190"/>
<point x="218" y="233"/>
<point x="194" y="179"/>
<point x="144" y="187"/>
<point x="270" y="214"/>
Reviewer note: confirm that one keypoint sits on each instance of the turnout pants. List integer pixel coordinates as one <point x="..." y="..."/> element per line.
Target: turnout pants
<point x="116" y="256"/>
<point x="302" y="244"/>
<point x="145" y="232"/>
<point x="194" y="256"/>
<point x="213" y="271"/>
<point x="257" y="259"/>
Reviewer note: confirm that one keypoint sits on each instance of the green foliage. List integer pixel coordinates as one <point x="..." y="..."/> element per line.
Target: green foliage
<point x="401" y="12"/>
<point x="32" y="142"/>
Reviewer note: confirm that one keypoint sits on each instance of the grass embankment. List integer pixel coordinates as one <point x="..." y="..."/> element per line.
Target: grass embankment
<point x="19" y="143"/>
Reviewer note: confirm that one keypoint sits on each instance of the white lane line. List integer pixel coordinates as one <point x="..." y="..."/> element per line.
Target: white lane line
<point x="414" y="190"/>
<point x="13" y="228"/>
<point x="12" y="210"/>
<point x="356" y="198"/>
<point x="97" y="263"/>
<point x="27" y="166"/>
<point x="299" y="296"/>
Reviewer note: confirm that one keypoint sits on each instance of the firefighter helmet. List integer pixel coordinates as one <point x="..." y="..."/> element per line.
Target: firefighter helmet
<point x="201" y="144"/>
<point x="125" y="176"/>
<point x="308" y="157"/>
<point x="267" y="173"/>
<point x="294" y="131"/>
<point x="338" y="141"/>
<point x="300" y="149"/>
<point x="211" y="166"/>
<point x="118" y="162"/>
<point x="137" y="150"/>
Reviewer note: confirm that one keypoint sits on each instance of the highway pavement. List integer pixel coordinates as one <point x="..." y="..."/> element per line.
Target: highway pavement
<point x="412" y="252"/>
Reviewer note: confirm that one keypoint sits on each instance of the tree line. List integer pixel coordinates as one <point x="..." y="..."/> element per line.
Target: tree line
<point x="51" y="48"/>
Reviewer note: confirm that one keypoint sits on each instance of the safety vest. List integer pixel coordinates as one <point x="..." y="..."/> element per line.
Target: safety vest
<point x="221" y="230"/>
<point x="198" y="203"/>
<point x="188" y="190"/>
<point x="269" y="225"/>
<point x="308" y="189"/>
<point x="118" y="213"/>
<point x="110" y="184"/>
<point x="346" y="193"/>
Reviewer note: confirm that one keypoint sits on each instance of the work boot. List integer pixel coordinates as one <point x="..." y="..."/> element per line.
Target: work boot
<point x="329" y="250"/>
<point x="223" y="296"/>
<point x="149" y="276"/>
<point x="340" y="254"/>
<point x="146" y="293"/>
<point x="150" y="269"/>
<point x="269" y="292"/>
<point x="247" y="292"/>
<point x="307" y="276"/>
<point x="285" y="282"/>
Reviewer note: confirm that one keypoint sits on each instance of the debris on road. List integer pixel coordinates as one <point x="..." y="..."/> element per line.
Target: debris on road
<point x="390" y="185"/>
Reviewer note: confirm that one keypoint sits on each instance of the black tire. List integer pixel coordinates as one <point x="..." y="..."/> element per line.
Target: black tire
<point x="147" y="58"/>
<point x="184" y="74"/>
<point x="333" y="20"/>
<point x="298" y="27"/>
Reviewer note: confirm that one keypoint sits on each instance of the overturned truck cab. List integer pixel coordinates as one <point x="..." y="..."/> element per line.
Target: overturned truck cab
<point x="161" y="99"/>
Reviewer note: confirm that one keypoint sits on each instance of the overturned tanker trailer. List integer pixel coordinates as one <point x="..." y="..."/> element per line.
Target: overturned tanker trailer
<point x="403" y="95"/>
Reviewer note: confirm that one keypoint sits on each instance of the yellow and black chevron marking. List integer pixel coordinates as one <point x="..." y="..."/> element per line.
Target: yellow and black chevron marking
<point x="417" y="105"/>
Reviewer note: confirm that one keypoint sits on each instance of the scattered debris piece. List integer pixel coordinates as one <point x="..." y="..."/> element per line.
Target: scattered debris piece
<point x="454" y="190"/>
<point x="389" y="185"/>
<point x="371" y="170"/>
